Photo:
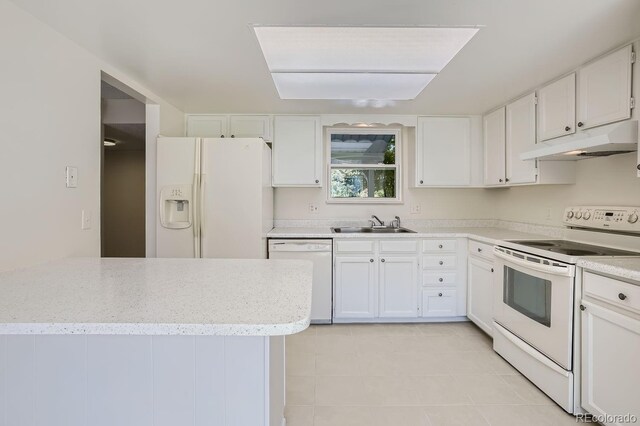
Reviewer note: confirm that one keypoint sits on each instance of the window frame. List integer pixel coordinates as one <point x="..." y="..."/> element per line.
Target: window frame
<point x="359" y="130"/>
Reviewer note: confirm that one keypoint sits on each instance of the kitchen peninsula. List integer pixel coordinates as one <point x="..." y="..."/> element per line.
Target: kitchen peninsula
<point x="149" y="341"/>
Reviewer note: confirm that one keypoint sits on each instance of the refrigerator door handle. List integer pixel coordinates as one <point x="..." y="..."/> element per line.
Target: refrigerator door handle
<point x="203" y="184"/>
<point x="196" y="216"/>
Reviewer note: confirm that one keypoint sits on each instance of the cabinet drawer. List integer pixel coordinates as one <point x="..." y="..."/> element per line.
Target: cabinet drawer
<point x="354" y="246"/>
<point x="439" y="245"/>
<point x="404" y="246"/>
<point x="616" y="292"/>
<point x="438" y="262"/>
<point x="477" y="248"/>
<point x="438" y="278"/>
<point x="440" y="302"/>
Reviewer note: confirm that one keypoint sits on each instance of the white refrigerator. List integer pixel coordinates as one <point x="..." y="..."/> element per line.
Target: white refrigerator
<point x="215" y="197"/>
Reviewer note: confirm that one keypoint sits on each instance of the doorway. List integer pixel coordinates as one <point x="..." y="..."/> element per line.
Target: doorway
<point x="122" y="207"/>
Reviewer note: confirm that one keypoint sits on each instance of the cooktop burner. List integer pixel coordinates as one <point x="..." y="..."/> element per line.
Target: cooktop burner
<point x="572" y="248"/>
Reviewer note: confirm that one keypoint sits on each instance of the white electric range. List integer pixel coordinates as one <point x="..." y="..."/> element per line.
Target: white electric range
<point x="537" y="293"/>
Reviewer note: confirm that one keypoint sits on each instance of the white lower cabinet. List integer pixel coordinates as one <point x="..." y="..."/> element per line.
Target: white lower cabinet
<point x="610" y="348"/>
<point x="479" y="292"/>
<point x="398" y="296"/>
<point x="355" y="292"/>
<point x="439" y="302"/>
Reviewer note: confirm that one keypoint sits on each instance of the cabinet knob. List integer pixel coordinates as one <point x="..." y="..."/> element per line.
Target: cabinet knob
<point x="499" y="180"/>
<point x="491" y="269"/>
<point x="638" y="167"/>
<point x="233" y="136"/>
<point x="421" y="181"/>
<point x="439" y="245"/>
<point x="582" y="307"/>
<point x="580" y="124"/>
<point x="567" y="128"/>
<point x="506" y="180"/>
<point x="440" y="279"/>
<point x="439" y="294"/>
<point x="222" y="136"/>
<point x="479" y="250"/>
<point x="317" y="181"/>
<point x="382" y="260"/>
<point x="622" y="296"/>
<point x="441" y="262"/>
<point x="370" y="260"/>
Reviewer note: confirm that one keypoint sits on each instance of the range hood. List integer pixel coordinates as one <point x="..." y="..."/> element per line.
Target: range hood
<point x="617" y="138"/>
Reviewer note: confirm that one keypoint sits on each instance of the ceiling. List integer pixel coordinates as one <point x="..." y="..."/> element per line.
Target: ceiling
<point x="202" y="56"/>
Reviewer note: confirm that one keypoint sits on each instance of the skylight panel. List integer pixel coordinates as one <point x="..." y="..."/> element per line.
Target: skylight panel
<point x="348" y="62"/>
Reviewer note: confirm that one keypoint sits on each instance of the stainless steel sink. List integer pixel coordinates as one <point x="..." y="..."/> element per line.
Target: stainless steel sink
<point x="370" y="230"/>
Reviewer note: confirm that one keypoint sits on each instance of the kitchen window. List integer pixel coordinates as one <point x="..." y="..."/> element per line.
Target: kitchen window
<point x="364" y="165"/>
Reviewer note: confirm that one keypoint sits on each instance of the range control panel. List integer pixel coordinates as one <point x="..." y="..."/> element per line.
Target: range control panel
<point x="622" y="219"/>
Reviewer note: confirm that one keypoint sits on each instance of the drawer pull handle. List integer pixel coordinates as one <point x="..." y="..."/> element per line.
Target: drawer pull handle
<point x="439" y="245"/>
<point x="441" y="263"/>
<point x="370" y="260"/>
<point x="381" y="260"/>
<point x="441" y="279"/>
<point x="439" y="294"/>
<point x="622" y="296"/>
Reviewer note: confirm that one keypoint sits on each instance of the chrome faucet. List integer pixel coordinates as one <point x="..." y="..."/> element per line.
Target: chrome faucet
<point x="397" y="222"/>
<point x="373" y="223"/>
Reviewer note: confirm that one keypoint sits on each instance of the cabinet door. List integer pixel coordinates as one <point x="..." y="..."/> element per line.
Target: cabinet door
<point x="604" y="90"/>
<point x="439" y="302"/>
<point x="443" y="151"/>
<point x="557" y="108"/>
<point x="355" y="287"/>
<point x="297" y="151"/>
<point x="479" y="296"/>
<point x="521" y="137"/>
<point x="207" y="126"/>
<point x="610" y="373"/>
<point x="398" y="281"/>
<point x="494" y="148"/>
<point x="250" y="126"/>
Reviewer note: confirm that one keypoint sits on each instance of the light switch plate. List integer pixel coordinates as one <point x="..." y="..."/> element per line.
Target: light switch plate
<point x="72" y="177"/>
<point x="86" y="219"/>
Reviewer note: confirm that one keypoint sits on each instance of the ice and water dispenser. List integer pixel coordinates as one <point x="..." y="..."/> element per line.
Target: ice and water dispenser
<point x="176" y="206"/>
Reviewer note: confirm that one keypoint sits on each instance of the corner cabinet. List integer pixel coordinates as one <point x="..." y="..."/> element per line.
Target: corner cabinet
<point x="610" y="347"/>
<point x="297" y="151"/>
<point x="443" y="151"/>
<point x="604" y="89"/>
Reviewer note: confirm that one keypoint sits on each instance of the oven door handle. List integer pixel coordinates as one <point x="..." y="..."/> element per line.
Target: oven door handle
<point x="566" y="271"/>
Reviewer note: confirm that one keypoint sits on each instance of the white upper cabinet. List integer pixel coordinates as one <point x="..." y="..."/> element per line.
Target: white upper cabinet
<point x="520" y="137"/>
<point x="297" y="151"/>
<point x="443" y="151"/>
<point x="604" y="90"/>
<point x="207" y="126"/>
<point x="250" y="126"/>
<point x="494" y="148"/>
<point x="557" y="108"/>
<point x="229" y="126"/>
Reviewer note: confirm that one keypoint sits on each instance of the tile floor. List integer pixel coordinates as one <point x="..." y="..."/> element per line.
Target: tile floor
<point x="408" y="375"/>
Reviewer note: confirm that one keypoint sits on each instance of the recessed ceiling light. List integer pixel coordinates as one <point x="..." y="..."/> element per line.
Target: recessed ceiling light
<point x="403" y="59"/>
<point x="109" y="142"/>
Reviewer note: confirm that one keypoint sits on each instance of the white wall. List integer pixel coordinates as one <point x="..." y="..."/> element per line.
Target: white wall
<point x="50" y="118"/>
<point x="600" y="181"/>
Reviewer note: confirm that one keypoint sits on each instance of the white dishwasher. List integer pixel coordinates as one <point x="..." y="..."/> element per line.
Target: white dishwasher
<point x="320" y="253"/>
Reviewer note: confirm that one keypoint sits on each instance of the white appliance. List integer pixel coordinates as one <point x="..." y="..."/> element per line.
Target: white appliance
<point x="536" y="291"/>
<point x="320" y="253"/>
<point x="215" y="197"/>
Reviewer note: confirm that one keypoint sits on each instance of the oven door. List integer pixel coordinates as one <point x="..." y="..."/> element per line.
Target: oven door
<point x="533" y="299"/>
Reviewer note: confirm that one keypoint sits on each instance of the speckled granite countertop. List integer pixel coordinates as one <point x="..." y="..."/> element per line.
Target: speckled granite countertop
<point x="488" y="235"/>
<point x="157" y="297"/>
<point x="623" y="267"/>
